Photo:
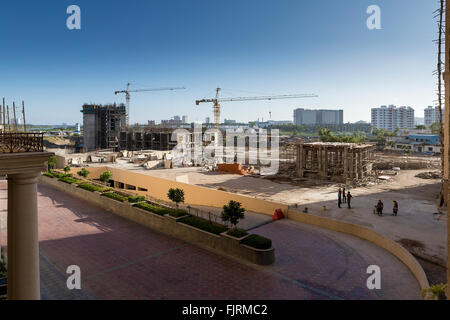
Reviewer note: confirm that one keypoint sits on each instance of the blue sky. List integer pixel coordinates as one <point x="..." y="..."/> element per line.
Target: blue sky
<point x="247" y="47"/>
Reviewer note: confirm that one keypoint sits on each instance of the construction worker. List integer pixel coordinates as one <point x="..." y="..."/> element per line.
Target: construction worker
<point x="339" y="198"/>
<point x="380" y="207"/>
<point x="349" y="199"/>
<point x="395" y="208"/>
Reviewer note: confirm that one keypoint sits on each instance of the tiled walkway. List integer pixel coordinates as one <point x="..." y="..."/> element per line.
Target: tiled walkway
<point x="123" y="260"/>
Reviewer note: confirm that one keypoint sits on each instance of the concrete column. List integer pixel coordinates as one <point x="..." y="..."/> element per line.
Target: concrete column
<point x="300" y="161"/>
<point x="360" y="165"/>
<point x="325" y="163"/>
<point x="23" y="244"/>
<point x="345" y="163"/>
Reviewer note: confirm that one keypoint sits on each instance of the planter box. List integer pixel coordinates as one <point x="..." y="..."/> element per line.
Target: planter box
<point x="169" y="225"/>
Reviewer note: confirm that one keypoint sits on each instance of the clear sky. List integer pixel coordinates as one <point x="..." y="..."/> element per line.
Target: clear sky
<point x="247" y="47"/>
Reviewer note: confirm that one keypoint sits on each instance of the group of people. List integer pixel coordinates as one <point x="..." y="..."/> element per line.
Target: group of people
<point x="347" y="198"/>
<point x="380" y="206"/>
<point x="344" y="198"/>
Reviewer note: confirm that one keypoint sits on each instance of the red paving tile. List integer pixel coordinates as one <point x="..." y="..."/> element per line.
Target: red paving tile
<point x="123" y="260"/>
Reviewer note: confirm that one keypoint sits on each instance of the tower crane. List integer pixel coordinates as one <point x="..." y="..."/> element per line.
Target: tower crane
<point x="217" y="107"/>
<point x="128" y="96"/>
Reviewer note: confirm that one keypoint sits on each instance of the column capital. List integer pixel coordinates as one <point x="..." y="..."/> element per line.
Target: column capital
<point x="23" y="163"/>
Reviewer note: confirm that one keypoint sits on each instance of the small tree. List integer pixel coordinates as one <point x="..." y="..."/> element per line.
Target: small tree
<point x="233" y="212"/>
<point x="67" y="169"/>
<point x="83" y="173"/>
<point x="52" y="163"/>
<point x="106" y="176"/>
<point x="176" y="195"/>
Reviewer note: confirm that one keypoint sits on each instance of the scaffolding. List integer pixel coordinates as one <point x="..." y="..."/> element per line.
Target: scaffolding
<point x="334" y="161"/>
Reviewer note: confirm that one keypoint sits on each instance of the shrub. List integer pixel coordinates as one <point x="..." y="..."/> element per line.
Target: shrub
<point x="115" y="196"/>
<point x="232" y="212"/>
<point x="237" y="233"/>
<point x="92" y="188"/>
<point x="176" y="195"/>
<point x="106" y="176"/>
<point x="83" y="173"/>
<point x="48" y="174"/>
<point x="134" y="199"/>
<point x="204" y="225"/>
<point x="435" y="292"/>
<point x="153" y="208"/>
<point x="258" y="242"/>
<point x="67" y="169"/>
<point x="69" y="180"/>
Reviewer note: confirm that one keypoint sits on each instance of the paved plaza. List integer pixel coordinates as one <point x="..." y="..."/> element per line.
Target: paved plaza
<point x="120" y="259"/>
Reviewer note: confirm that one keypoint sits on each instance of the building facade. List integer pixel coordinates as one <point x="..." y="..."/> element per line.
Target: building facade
<point x="306" y="116"/>
<point x="391" y="118"/>
<point x="431" y="115"/>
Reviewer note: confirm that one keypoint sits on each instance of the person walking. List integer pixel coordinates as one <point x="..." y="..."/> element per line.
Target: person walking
<point x="344" y="198"/>
<point x="380" y="206"/>
<point x="339" y="198"/>
<point x="395" y="208"/>
<point x="349" y="199"/>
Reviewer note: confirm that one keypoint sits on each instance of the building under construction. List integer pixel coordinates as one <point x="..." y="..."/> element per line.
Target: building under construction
<point x="334" y="161"/>
<point x="102" y="125"/>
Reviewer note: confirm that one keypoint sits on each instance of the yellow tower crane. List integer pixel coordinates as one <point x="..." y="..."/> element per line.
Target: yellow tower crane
<point x="217" y="108"/>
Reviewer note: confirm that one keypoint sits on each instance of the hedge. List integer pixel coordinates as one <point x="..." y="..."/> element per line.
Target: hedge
<point x="177" y="213"/>
<point x="92" y="187"/>
<point x="134" y="199"/>
<point x="258" y="242"/>
<point x="204" y="225"/>
<point x="69" y="180"/>
<point x="115" y="196"/>
<point x="48" y="174"/>
<point x="152" y="208"/>
<point x="237" y="233"/>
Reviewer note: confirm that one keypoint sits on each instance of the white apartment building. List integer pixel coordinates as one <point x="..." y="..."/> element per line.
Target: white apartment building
<point x="390" y="117"/>
<point x="431" y="115"/>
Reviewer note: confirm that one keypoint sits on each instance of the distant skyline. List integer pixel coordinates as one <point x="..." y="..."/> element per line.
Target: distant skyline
<point x="248" y="48"/>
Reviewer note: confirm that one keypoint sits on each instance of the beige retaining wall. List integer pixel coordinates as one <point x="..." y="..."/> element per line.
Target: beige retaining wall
<point x="194" y="195"/>
<point x="168" y="225"/>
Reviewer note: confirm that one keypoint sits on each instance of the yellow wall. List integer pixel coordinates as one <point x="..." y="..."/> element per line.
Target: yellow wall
<point x="194" y="195"/>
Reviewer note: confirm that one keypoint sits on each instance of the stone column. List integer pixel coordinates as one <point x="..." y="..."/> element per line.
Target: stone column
<point x="23" y="244"/>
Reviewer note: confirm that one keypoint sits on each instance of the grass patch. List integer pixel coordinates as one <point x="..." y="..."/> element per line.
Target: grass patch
<point x="204" y="225"/>
<point x="93" y="188"/>
<point x="237" y="233"/>
<point x="115" y="196"/>
<point x="258" y="242"/>
<point x="135" y="199"/>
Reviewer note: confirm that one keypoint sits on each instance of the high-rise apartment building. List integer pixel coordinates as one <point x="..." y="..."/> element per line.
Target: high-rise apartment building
<point x="390" y="117"/>
<point x="305" y="116"/>
<point x="431" y="115"/>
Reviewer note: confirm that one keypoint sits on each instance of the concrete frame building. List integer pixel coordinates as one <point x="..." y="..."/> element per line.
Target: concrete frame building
<point x="334" y="161"/>
<point x="306" y="116"/>
<point x="391" y="118"/>
<point x="102" y="125"/>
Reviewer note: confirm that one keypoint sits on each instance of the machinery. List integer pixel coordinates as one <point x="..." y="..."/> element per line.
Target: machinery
<point x="128" y="96"/>
<point x="217" y="107"/>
